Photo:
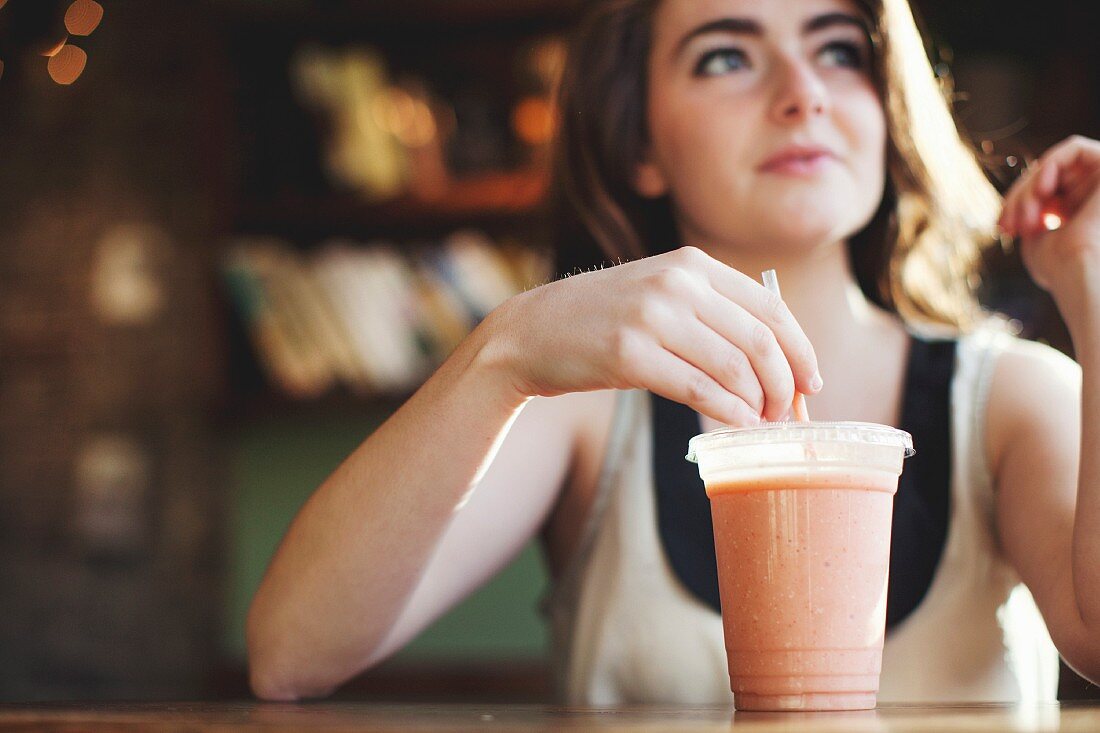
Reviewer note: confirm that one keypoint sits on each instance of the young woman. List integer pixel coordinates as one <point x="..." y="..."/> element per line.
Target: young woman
<point x="704" y="141"/>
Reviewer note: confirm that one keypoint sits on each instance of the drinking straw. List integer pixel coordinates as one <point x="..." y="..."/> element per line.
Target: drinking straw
<point x="771" y="282"/>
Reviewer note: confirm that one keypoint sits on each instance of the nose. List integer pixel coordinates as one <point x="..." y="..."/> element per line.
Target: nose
<point x="800" y="93"/>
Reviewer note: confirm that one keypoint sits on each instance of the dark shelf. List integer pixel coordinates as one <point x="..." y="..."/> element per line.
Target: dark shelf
<point x="312" y="15"/>
<point x="476" y="200"/>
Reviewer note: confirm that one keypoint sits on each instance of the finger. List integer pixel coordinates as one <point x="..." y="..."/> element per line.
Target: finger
<point x="1030" y="216"/>
<point x="1059" y="169"/>
<point x="1054" y="192"/>
<point x="699" y="345"/>
<point x="1074" y="176"/>
<point x="1075" y="192"/>
<point x="664" y="373"/>
<point x="770" y="365"/>
<point x="1046" y="180"/>
<point x="1074" y="152"/>
<point x="740" y="289"/>
<point x="1038" y="196"/>
<point x="1023" y="211"/>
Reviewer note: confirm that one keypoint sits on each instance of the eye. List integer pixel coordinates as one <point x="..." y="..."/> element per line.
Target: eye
<point x="721" y="61"/>
<point x="843" y="54"/>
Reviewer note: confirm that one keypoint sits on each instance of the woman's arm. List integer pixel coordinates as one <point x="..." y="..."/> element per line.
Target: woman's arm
<point x="355" y="552"/>
<point x="1035" y="440"/>
<point x="1044" y="415"/>
<point x="362" y="568"/>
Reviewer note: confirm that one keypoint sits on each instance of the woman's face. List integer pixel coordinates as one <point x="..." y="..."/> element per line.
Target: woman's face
<point x="765" y="126"/>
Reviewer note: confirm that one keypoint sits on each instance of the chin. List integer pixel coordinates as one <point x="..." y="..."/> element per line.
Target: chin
<point x="805" y="232"/>
<point x="811" y="220"/>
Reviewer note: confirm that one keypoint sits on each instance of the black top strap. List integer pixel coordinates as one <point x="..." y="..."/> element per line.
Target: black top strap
<point x="921" y="507"/>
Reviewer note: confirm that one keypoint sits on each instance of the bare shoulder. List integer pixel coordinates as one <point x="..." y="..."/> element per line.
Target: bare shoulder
<point x="586" y="419"/>
<point x="1034" y="398"/>
<point x="579" y="415"/>
<point x="589" y="416"/>
<point x="593" y="411"/>
<point x="564" y="438"/>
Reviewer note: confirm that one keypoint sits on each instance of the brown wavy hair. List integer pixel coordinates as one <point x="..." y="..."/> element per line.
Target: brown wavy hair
<point x="918" y="256"/>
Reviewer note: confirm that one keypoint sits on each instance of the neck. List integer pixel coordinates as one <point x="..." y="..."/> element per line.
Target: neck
<point x="822" y="293"/>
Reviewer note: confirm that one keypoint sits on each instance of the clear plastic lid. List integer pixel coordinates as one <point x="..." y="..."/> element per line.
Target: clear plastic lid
<point x="815" y="433"/>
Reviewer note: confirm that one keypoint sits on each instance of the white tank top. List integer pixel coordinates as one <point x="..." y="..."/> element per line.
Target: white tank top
<point x="624" y="630"/>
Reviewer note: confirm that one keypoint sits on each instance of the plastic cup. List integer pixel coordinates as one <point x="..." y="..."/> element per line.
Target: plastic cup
<point x="802" y="515"/>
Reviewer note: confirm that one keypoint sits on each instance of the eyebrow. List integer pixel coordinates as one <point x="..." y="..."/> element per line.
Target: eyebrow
<point x="750" y="27"/>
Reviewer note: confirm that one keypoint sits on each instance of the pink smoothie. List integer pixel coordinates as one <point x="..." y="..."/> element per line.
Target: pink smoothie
<point x="802" y="569"/>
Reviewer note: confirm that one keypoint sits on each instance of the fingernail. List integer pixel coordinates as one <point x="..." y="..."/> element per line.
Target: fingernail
<point x="816" y="383"/>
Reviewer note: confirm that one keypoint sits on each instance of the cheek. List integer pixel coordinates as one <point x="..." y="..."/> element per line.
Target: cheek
<point x="675" y="134"/>
<point x="702" y="151"/>
<point x="694" y="133"/>
<point x="866" y="131"/>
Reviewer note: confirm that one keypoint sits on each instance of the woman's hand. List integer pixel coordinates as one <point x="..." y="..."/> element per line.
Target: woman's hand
<point x="681" y="324"/>
<point x="1055" y="212"/>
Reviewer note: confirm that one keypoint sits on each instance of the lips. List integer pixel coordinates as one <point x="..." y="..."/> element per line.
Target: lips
<point x="798" y="159"/>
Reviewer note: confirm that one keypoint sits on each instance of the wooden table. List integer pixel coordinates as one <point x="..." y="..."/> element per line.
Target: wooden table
<point x="339" y="717"/>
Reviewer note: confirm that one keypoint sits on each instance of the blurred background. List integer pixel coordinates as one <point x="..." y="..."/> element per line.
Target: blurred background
<point x="236" y="234"/>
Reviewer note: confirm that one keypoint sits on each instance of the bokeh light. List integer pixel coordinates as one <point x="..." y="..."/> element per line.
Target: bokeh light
<point x="405" y="117"/>
<point x="83" y="17"/>
<point x="67" y="65"/>
<point x="53" y="48"/>
<point x="533" y="120"/>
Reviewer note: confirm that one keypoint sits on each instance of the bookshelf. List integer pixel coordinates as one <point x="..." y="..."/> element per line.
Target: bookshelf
<point x="329" y="102"/>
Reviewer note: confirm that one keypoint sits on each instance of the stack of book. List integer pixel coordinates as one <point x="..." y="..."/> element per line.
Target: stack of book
<point x="369" y="316"/>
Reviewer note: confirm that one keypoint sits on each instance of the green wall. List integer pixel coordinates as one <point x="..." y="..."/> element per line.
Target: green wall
<point x="276" y="463"/>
